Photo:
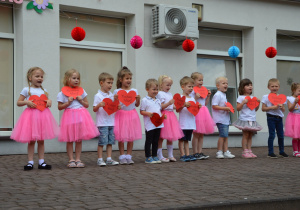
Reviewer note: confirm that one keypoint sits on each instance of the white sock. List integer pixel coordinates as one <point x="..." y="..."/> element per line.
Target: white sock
<point x="31" y="162"/>
<point x="108" y="158"/>
<point x="41" y="161"/>
<point x="128" y="157"/>
<point x="100" y="159"/>
<point x="159" y="153"/>
<point x="122" y="157"/>
<point x="220" y="151"/>
<point x="170" y="150"/>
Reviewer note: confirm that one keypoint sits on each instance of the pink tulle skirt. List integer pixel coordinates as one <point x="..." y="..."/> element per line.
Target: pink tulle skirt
<point x="171" y="130"/>
<point x="247" y="125"/>
<point x="204" y="122"/>
<point x="34" y="125"/>
<point x="77" y="125"/>
<point x="292" y="125"/>
<point x="127" y="126"/>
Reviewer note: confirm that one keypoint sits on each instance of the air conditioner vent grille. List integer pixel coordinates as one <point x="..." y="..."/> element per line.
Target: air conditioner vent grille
<point x="155" y="21"/>
<point x="175" y="21"/>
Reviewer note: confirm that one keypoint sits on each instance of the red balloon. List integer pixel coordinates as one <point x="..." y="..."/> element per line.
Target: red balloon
<point x="78" y="34"/>
<point x="188" y="45"/>
<point x="271" y="52"/>
<point x="136" y="42"/>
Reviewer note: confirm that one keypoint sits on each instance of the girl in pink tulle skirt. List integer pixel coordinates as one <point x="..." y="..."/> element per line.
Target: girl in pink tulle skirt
<point x="127" y="122"/>
<point x="292" y="122"/>
<point x="204" y="121"/>
<point x="76" y="123"/>
<point x="171" y="130"/>
<point x="36" y="123"/>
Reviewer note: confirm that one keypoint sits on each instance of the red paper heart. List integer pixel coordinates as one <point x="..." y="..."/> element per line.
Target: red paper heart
<point x="252" y="103"/>
<point x="110" y="106"/>
<point x="202" y="91"/>
<point x="299" y="100"/>
<point x="178" y="100"/>
<point x="157" y="120"/>
<point x="127" y="98"/>
<point x="193" y="108"/>
<point x="72" y="92"/>
<point x="276" y="99"/>
<point x="230" y="106"/>
<point x="39" y="101"/>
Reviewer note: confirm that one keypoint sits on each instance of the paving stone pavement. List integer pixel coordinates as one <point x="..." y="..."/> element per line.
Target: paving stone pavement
<point x="153" y="186"/>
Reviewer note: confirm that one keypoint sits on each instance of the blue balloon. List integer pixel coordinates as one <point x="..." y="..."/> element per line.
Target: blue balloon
<point x="233" y="51"/>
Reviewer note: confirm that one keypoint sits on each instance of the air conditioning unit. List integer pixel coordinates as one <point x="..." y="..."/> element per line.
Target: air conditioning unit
<point x="174" y="23"/>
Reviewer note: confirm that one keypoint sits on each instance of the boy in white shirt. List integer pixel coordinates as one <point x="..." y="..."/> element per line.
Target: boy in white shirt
<point x="220" y="114"/>
<point x="105" y="122"/>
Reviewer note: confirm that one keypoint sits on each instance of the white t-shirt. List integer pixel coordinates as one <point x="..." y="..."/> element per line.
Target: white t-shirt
<point x="297" y="107"/>
<point x="276" y="112"/>
<point x="131" y="106"/>
<point x="102" y="118"/>
<point x="246" y="114"/>
<point x="164" y="98"/>
<point x="148" y="104"/>
<point x="75" y="103"/>
<point x="220" y="116"/>
<point x="33" y="91"/>
<point x="187" y="119"/>
<point x="200" y="100"/>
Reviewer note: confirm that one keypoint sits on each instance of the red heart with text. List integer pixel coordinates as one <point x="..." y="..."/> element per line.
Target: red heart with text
<point x="72" y="92"/>
<point x="299" y="100"/>
<point x="110" y="106"/>
<point x="202" y="91"/>
<point x="230" y="106"/>
<point x="193" y="108"/>
<point x="276" y="99"/>
<point x="126" y="98"/>
<point x="157" y="120"/>
<point x="252" y="103"/>
<point x="179" y="101"/>
<point x="40" y="102"/>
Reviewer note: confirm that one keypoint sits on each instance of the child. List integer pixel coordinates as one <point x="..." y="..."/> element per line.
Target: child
<point x="186" y="120"/>
<point x="76" y="122"/>
<point x="247" y="119"/>
<point x="35" y="125"/>
<point x="221" y="117"/>
<point x="204" y="122"/>
<point x="274" y="118"/>
<point x="105" y="122"/>
<point x="127" y="121"/>
<point x="150" y="104"/>
<point x="292" y="123"/>
<point x="171" y="130"/>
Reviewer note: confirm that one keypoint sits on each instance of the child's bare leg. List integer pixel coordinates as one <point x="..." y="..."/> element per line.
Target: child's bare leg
<point x="69" y="146"/>
<point x="30" y="150"/>
<point x="186" y="148"/>
<point x="160" y="142"/>
<point x="195" y="142"/>
<point x="200" y="143"/>
<point x="225" y="144"/>
<point x="121" y="147"/>
<point x="129" y="148"/>
<point x="249" y="142"/>
<point x="100" y="151"/>
<point x="41" y="149"/>
<point x="109" y="150"/>
<point x="180" y="145"/>
<point x="245" y="139"/>
<point x="220" y="143"/>
<point x="78" y="148"/>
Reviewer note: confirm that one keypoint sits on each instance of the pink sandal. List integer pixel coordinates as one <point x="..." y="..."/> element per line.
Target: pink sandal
<point x="246" y="154"/>
<point x="253" y="155"/>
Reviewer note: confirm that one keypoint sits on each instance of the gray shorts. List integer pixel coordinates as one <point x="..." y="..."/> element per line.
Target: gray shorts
<point x="107" y="135"/>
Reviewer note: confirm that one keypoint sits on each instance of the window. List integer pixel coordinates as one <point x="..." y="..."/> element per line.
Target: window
<point x="288" y="45"/>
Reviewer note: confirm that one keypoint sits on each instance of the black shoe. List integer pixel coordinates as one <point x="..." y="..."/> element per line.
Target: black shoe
<point x="197" y="156"/>
<point x="203" y="157"/>
<point x="44" y="166"/>
<point x="283" y="155"/>
<point x="28" y="167"/>
<point x="272" y="155"/>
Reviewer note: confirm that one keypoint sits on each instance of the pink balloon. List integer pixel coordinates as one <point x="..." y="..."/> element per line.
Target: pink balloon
<point x="136" y="42"/>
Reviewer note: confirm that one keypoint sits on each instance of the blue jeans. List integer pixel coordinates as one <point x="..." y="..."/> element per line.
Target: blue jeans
<point x="107" y="135"/>
<point x="223" y="130"/>
<point x="275" y="123"/>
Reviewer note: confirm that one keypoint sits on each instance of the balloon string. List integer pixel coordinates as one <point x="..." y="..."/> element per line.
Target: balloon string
<point x="76" y="22"/>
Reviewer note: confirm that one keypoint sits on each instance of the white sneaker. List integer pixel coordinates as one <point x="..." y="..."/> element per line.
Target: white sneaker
<point x="111" y="162"/>
<point x="101" y="163"/>
<point x="228" y="154"/>
<point x="219" y="155"/>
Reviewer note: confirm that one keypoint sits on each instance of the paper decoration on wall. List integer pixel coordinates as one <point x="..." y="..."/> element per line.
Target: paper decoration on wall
<point x="39" y="5"/>
<point x="179" y="101"/>
<point x="157" y="120"/>
<point x="233" y="51"/>
<point x="271" y="52"/>
<point x="188" y="45"/>
<point x="78" y="33"/>
<point x="39" y="101"/>
<point x="72" y="92"/>
<point x="136" y="42"/>
<point x="126" y="98"/>
<point x="276" y="99"/>
<point x="110" y="106"/>
<point x="230" y="106"/>
<point x="252" y="102"/>
<point x="202" y="91"/>
<point x="193" y="108"/>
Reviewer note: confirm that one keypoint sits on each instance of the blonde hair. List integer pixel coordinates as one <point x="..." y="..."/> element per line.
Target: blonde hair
<point x="121" y="74"/>
<point x="195" y="75"/>
<point x="273" y="80"/>
<point x="219" y="79"/>
<point x="29" y="75"/>
<point x="294" y="87"/>
<point x="161" y="80"/>
<point x="149" y="82"/>
<point x="186" y="80"/>
<point x="68" y="75"/>
<point x="104" y="76"/>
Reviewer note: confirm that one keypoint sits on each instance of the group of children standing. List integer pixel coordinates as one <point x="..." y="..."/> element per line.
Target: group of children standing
<point x="124" y="125"/>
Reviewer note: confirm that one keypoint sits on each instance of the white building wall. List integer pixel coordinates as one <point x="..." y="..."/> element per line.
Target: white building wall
<point x="38" y="44"/>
